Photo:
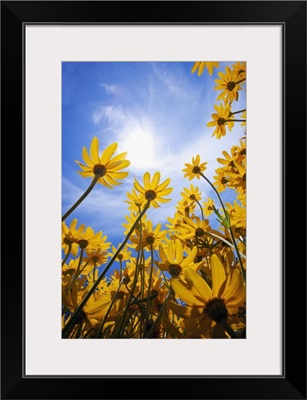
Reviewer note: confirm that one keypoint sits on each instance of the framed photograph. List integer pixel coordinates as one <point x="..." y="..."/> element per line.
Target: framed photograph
<point x="163" y="149"/>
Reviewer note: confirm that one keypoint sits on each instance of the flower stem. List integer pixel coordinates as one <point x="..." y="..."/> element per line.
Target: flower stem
<point x="239" y="255"/>
<point x="68" y="253"/>
<point x="230" y="230"/>
<point x="201" y="209"/>
<point x="77" y="271"/>
<point x="225" y="241"/>
<point x="69" y="326"/>
<point x="216" y="192"/>
<point x="78" y="202"/>
<point x="236" y="112"/>
<point x="157" y="320"/>
<point x="108" y="311"/>
<point x="150" y="279"/>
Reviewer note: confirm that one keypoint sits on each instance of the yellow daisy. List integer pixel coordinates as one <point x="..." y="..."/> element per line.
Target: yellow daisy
<point x="104" y="168"/>
<point x="206" y="306"/>
<point x="173" y="260"/>
<point x="200" y="66"/>
<point x="221" y="119"/>
<point x="152" y="191"/>
<point x="229" y="84"/>
<point x="195" y="169"/>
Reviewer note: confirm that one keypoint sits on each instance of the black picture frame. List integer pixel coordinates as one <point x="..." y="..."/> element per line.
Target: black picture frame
<point x="292" y="16"/>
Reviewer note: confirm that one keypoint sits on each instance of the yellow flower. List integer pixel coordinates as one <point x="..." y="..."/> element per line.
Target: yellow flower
<point x="229" y="84"/>
<point x="200" y="65"/>
<point x="221" y="120"/>
<point x="123" y="255"/>
<point x="190" y="229"/>
<point x="149" y="237"/>
<point x="227" y="161"/>
<point x="69" y="236"/>
<point x="208" y="207"/>
<point x="206" y="306"/>
<point x="91" y="241"/>
<point x="152" y="191"/>
<point x="243" y="116"/>
<point x="195" y="169"/>
<point x="104" y="167"/>
<point x="239" y="152"/>
<point x="173" y="260"/>
<point x="192" y="194"/>
<point x="136" y="200"/>
<point x="240" y="69"/>
<point x="237" y="178"/>
<point x="131" y="220"/>
<point x="95" y="257"/>
<point x="220" y="180"/>
<point x="186" y="207"/>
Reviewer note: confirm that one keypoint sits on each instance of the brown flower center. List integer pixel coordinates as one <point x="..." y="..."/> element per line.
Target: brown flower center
<point x="217" y="310"/>
<point x="174" y="270"/>
<point x="150" y="240"/>
<point x="231" y="85"/>
<point x="83" y="243"/>
<point x="196" y="169"/>
<point x="99" y="170"/>
<point x="224" y="181"/>
<point x="221" y="121"/>
<point x="192" y="197"/>
<point x="199" y="232"/>
<point x="150" y="195"/>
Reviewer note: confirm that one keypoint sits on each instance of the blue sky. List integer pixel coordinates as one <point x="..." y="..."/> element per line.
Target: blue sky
<point x="157" y="112"/>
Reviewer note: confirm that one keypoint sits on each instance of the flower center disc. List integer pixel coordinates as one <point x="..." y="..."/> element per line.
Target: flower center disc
<point x="99" y="170"/>
<point x="150" y="195"/>
<point x="199" y="232"/>
<point x="217" y="310"/>
<point x="196" y="170"/>
<point x="83" y="243"/>
<point x="231" y="85"/>
<point x="174" y="270"/>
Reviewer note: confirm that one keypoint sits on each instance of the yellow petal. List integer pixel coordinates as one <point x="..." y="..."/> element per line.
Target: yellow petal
<point x="108" y="153"/>
<point x="178" y="251"/>
<point x="218" y="274"/>
<point x="146" y="180"/>
<point x="185" y="311"/>
<point x="163" y="185"/>
<point x="138" y="187"/>
<point x="94" y="149"/>
<point x="185" y="294"/>
<point x="199" y="286"/>
<point x="87" y="158"/>
<point x="155" y="180"/>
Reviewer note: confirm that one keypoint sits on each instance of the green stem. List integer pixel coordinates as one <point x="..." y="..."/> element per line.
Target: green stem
<point x="201" y="209"/>
<point x="88" y="190"/>
<point x="152" y="329"/>
<point x="241" y="80"/>
<point x="230" y="230"/>
<point x="107" y="313"/>
<point x="68" y="253"/>
<point x="216" y="192"/>
<point x="236" y="112"/>
<point x="243" y="273"/>
<point x="225" y="241"/>
<point x="77" y="271"/>
<point x="68" y="327"/>
<point x="235" y="120"/>
<point x="150" y="279"/>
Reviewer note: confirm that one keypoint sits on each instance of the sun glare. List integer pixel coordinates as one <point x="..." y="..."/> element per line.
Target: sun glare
<point x="140" y="145"/>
